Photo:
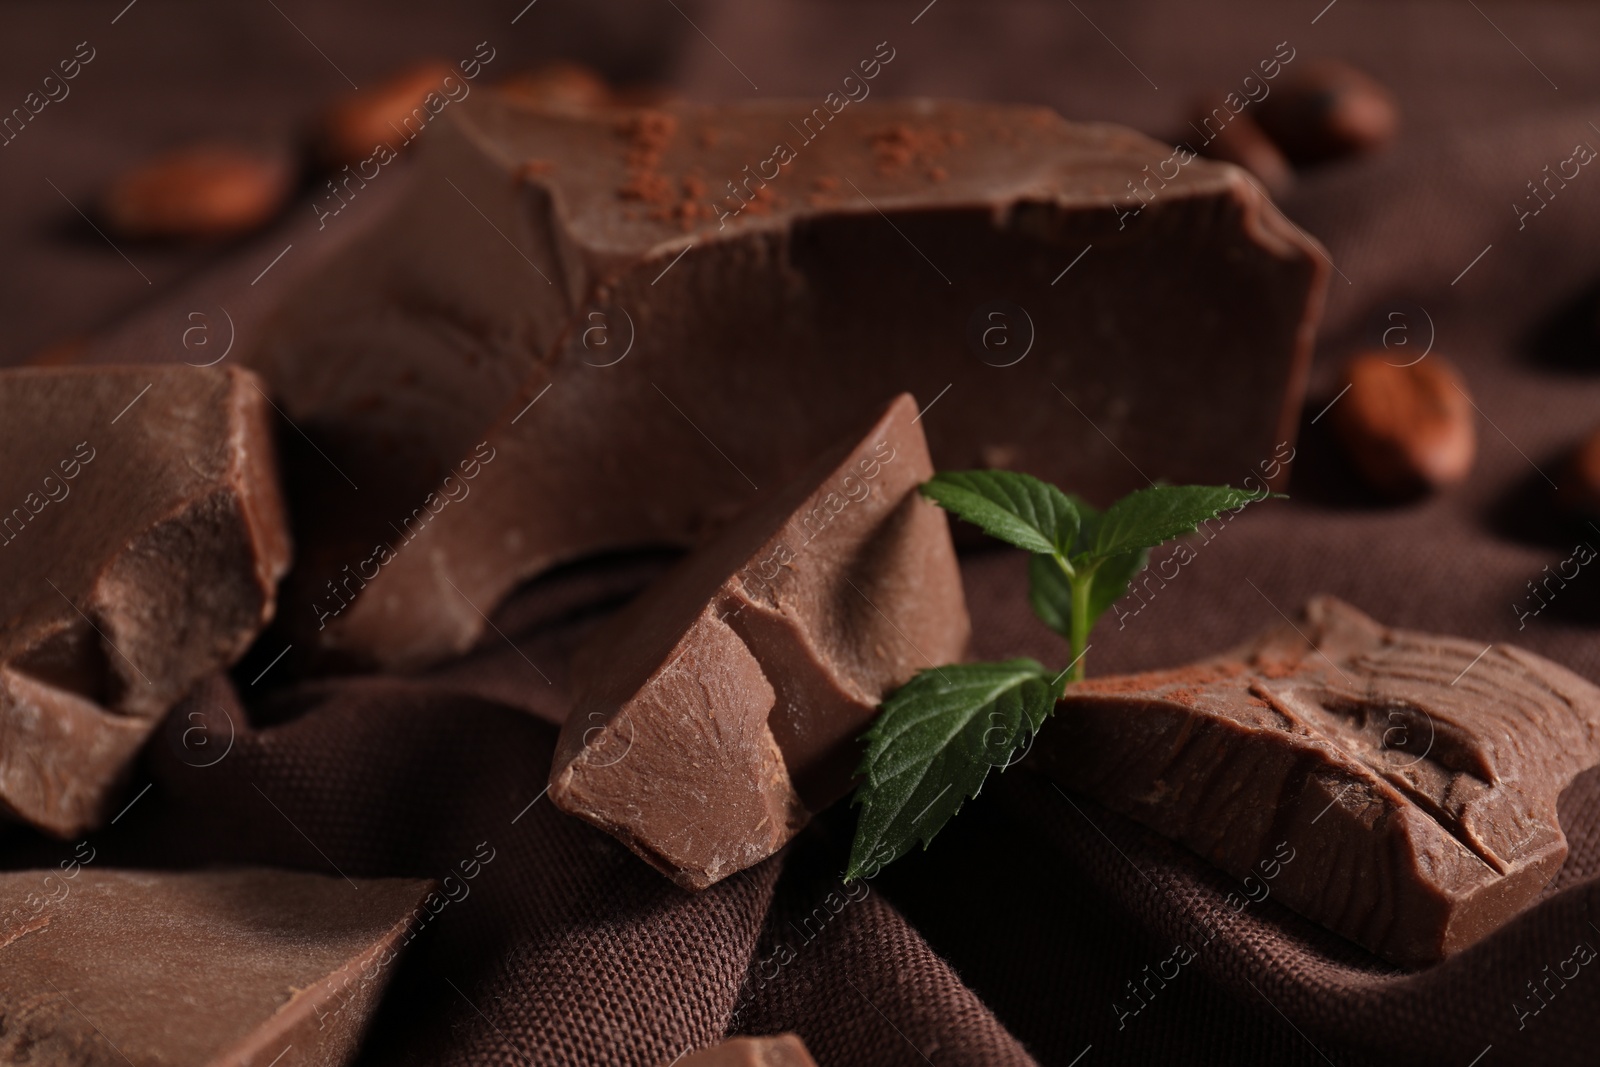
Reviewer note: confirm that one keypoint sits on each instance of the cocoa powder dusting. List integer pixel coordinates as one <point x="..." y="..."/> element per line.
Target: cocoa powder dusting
<point x="897" y="147"/>
<point x="1185" y="677"/>
<point x="648" y="133"/>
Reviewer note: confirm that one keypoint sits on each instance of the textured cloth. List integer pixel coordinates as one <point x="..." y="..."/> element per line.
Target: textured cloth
<point x="1030" y="930"/>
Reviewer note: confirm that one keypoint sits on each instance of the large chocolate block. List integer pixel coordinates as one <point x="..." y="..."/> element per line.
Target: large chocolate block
<point x="719" y="710"/>
<point x="644" y="315"/>
<point x="141" y="550"/>
<point x="1401" y="787"/>
<point x="104" y="968"/>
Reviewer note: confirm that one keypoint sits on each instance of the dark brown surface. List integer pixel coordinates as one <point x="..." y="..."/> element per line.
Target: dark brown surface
<point x="222" y="968"/>
<point x="142" y="550"/>
<point x="719" y="712"/>
<point x="1419" y="773"/>
<point x="1035" y="923"/>
<point x="796" y="311"/>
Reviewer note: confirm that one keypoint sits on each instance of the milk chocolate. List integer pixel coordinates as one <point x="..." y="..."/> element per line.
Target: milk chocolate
<point x="1398" y="787"/>
<point x="141" y="544"/>
<point x="717" y="712"/>
<point x="642" y="315"/>
<point x="106" y="968"/>
<point x="779" y="1050"/>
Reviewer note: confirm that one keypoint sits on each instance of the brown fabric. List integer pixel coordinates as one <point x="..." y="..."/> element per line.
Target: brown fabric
<point x="1032" y="912"/>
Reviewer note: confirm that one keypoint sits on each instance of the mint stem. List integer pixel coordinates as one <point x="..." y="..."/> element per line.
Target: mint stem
<point x="1080" y="625"/>
<point x="1081" y="581"/>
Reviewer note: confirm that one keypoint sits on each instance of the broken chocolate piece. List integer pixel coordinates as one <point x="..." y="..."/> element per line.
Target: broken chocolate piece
<point x="641" y="314"/>
<point x="1402" y="786"/>
<point x="140" y="550"/>
<point x="779" y="1050"/>
<point x="717" y="712"/>
<point x="106" y="968"/>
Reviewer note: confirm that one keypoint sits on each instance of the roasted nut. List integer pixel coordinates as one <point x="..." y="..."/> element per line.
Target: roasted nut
<point x="1580" y="478"/>
<point x="1328" y="110"/>
<point x="203" y="191"/>
<point x="1408" y="429"/>
<point x="1236" y="137"/>
<point x="354" y="126"/>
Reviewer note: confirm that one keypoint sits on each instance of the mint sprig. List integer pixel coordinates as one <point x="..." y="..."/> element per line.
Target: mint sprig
<point x="936" y="737"/>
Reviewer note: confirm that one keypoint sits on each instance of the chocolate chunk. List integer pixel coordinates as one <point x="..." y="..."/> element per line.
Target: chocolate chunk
<point x="702" y="329"/>
<point x="780" y="1050"/>
<point x="717" y="712"/>
<point x="107" y="968"/>
<point x="1398" y="787"/>
<point x="140" y="550"/>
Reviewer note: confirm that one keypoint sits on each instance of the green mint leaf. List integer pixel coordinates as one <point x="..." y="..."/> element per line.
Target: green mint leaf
<point x="1016" y="508"/>
<point x="1111" y="580"/>
<point x="933" y="744"/>
<point x="1150" y="516"/>
<point x="1050" y="594"/>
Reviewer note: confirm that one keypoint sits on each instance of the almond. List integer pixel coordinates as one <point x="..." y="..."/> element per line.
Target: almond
<point x="1406" y="429"/>
<point x="1580" y="479"/>
<point x="206" y="190"/>
<point x="1328" y="110"/>
<point x="353" y="127"/>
